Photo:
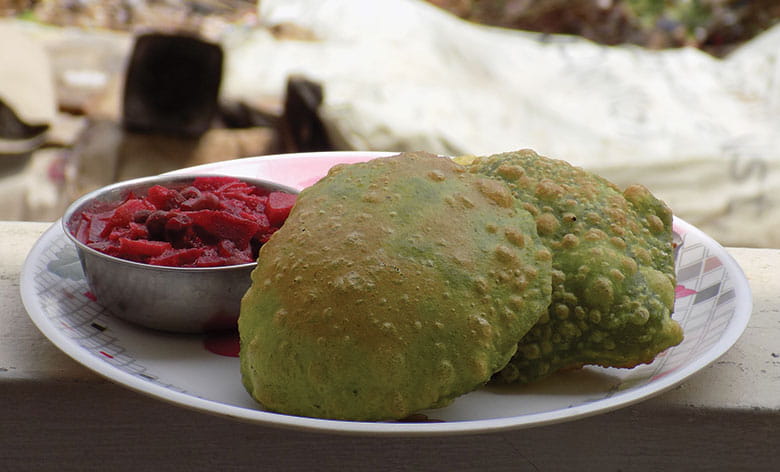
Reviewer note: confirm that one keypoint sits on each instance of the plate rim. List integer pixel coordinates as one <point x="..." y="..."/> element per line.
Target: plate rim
<point x="735" y="328"/>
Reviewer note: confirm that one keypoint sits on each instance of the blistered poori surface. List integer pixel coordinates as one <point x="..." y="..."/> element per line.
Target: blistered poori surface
<point x="613" y="268"/>
<point x="394" y="286"/>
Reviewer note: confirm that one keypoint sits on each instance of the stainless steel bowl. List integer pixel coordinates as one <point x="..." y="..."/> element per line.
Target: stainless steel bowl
<point x="175" y="299"/>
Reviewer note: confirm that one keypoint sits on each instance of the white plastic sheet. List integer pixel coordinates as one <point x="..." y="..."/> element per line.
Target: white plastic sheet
<point x="702" y="133"/>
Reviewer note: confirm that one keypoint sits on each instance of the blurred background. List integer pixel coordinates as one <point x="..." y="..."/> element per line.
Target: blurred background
<point x="681" y="95"/>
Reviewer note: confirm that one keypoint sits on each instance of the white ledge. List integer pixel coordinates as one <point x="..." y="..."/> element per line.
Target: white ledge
<point x="60" y="416"/>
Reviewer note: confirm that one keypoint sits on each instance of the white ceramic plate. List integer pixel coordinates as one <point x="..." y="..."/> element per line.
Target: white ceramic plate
<point x="201" y="372"/>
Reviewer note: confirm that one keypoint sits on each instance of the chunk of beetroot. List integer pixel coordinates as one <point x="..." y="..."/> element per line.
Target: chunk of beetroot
<point x="97" y="224"/>
<point x="142" y="215"/>
<point x="137" y="231"/>
<point x="228" y="250"/>
<point x="263" y="224"/>
<point x="123" y="214"/>
<point x="81" y="228"/>
<point x="241" y="191"/>
<point x="204" y="201"/>
<point x="155" y="224"/>
<point x="210" y="258"/>
<point x="190" y="192"/>
<point x="225" y="225"/>
<point x="263" y="238"/>
<point x="213" y="258"/>
<point x="279" y="206"/>
<point x="178" y="257"/>
<point x="107" y="247"/>
<point x="140" y="250"/>
<point x="180" y="232"/>
<point x="214" y="182"/>
<point x="251" y="204"/>
<point x="178" y="221"/>
<point x="163" y="198"/>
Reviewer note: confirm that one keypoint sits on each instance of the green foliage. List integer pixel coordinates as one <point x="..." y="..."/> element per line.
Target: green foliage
<point x="28" y="15"/>
<point x="690" y="14"/>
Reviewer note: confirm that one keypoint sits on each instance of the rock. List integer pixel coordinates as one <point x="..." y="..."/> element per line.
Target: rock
<point x="27" y="98"/>
<point x="172" y="85"/>
<point x="301" y="127"/>
<point x="16" y="136"/>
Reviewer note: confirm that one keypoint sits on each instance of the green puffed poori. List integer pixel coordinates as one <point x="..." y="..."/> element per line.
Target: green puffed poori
<point x="394" y="286"/>
<point x="613" y="267"/>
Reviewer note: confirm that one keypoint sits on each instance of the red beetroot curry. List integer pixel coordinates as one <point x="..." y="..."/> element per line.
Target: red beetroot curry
<point x="214" y="221"/>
